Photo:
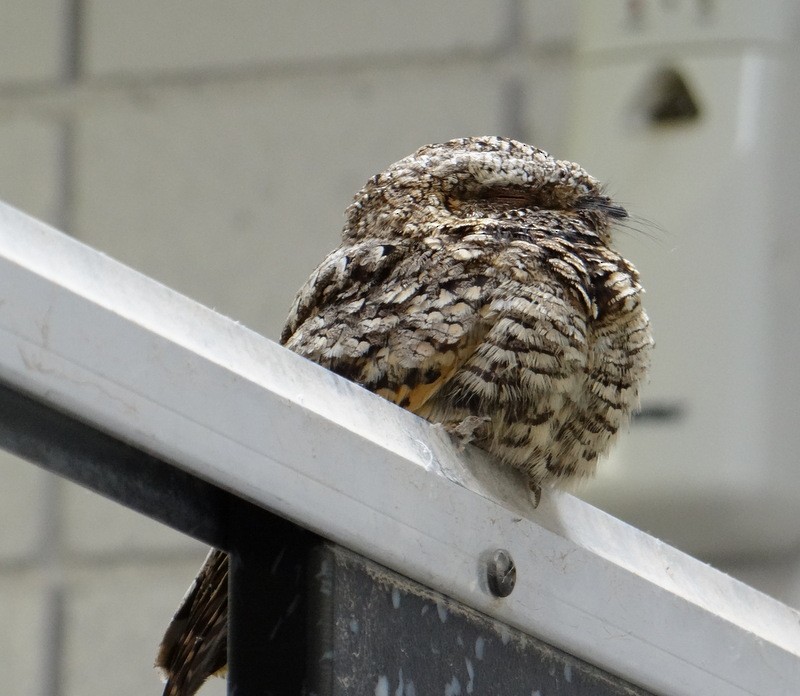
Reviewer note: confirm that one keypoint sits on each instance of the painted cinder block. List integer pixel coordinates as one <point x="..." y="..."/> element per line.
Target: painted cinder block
<point x="31" y="164"/>
<point x="23" y="638"/>
<point x="153" y="36"/>
<point x="33" y="46"/>
<point x="232" y="194"/>
<point x="115" y="615"/>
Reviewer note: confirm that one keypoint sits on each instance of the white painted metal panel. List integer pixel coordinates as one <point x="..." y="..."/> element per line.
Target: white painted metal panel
<point x="96" y="339"/>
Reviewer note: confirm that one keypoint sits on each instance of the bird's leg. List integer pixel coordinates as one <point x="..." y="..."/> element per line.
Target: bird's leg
<point x="468" y="430"/>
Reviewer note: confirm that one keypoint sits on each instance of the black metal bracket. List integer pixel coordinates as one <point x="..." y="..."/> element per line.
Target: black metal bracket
<point x="305" y="616"/>
<point x="377" y="632"/>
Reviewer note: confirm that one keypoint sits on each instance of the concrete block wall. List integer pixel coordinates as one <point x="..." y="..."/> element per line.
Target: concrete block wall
<point x="215" y="149"/>
<point x="214" y="146"/>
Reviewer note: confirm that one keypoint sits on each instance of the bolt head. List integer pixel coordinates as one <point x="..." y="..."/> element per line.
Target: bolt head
<point x="501" y="573"/>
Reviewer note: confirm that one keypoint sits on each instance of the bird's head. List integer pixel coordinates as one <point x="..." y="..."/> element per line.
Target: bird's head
<point x="480" y="179"/>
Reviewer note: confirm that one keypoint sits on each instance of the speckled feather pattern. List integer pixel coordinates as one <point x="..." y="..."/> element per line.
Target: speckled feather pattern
<point x="476" y="286"/>
<point x="475" y="278"/>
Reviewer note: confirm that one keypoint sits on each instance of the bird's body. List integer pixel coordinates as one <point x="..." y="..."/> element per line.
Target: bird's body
<point x="475" y="286"/>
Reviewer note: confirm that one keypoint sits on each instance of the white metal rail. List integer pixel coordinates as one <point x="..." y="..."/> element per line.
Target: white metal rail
<point x="89" y="336"/>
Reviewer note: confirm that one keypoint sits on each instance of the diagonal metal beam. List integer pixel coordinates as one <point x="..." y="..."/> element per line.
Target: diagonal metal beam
<point x="77" y="451"/>
<point x="92" y="338"/>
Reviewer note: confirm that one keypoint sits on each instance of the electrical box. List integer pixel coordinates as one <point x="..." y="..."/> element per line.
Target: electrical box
<point x="689" y="112"/>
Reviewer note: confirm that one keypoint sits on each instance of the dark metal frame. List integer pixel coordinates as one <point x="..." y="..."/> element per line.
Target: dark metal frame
<point x="306" y="616"/>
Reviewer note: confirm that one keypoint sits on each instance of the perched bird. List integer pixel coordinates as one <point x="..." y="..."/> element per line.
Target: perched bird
<point x="475" y="286"/>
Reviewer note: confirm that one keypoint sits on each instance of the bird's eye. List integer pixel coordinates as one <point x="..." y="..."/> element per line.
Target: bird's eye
<point x="512" y="198"/>
<point x="494" y="198"/>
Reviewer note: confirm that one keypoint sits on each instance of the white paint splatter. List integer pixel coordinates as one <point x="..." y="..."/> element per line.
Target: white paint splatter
<point x="354" y="627"/>
<point x="453" y="688"/>
<point x="536" y="693"/>
<point x="505" y="634"/>
<point x="568" y="672"/>
<point x="399" y="691"/>
<point x="480" y="646"/>
<point x="442" y="609"/>
<point x="324" y="577"/>
<point x="395" y="598"/>
<point x="410" y="690"/>
<point x="471" y="675"/>
<point x="382" y="687"/>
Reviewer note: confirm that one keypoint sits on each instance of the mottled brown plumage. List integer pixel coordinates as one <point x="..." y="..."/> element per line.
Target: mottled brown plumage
<point x="475" y="286"/>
